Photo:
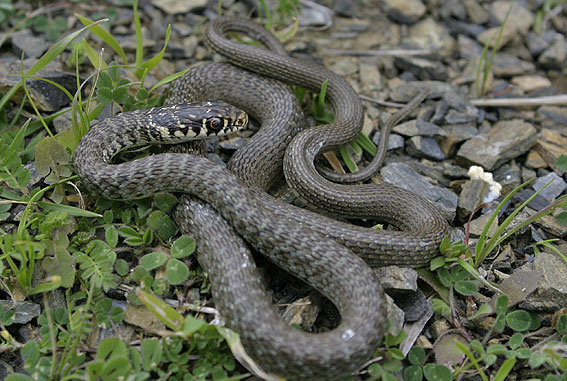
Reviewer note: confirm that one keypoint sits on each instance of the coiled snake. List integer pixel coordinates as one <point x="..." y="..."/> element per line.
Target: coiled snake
<point x="315" y="248"/>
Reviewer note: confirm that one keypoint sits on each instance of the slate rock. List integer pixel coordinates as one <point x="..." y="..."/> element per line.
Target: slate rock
<point x="404" y="176"/>
<point x="509" y="176"/>
<point x="550" y="145"/>
<point x="520" y="17"/>
<point x="537" y="203"/>
<point x="399" y="278"/>
<point x="476" y="12"/>
<point x="25" y="41"/>
<point x="555" y="55"/>
<point x="506" y="140"/>
<point x="553" y="116"/>
<point x="553" y="190"/>
<point x="507" y="65"/>
<point x="424" y="147"/>
<point x="432" y="35"/>
<point x="45" y="96"/>
<point x="472" y="194"/>
<point x="418" y="127"/>
<point x="178" y="6"/>
<point x="24" y="311"/>
<point x="422" y="68"/>
<point x="552" y="289"/>
<point x="405" y="11"/>
<point x="395" y="141"/>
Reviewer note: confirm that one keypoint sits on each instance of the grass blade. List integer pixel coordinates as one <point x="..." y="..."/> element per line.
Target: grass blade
<point x="49" y="56"/>
<point x="105" y="36"/>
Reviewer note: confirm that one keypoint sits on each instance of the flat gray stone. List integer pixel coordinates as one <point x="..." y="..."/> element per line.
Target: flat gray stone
<point x="507" y="65"/>
<point x="553" y="190"/>
<point x="552" y="289"/>
<point x="472" y="194"/>
<point x="33" y="46"/>
<point x="505" y="141"/>
<point x="405" y="12"/>
<point x="173" y="7"/>
<point x="395" y="141"/>
<point x="404" y="176"/>
<point x="399" y="278"/>
<point x="418" y="127"/>
<point x="555" y="56"/>
<point x="424" y="147"/>
<point x="24" y="311"/>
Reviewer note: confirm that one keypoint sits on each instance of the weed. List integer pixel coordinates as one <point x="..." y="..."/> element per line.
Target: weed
<point x="485" y="63"/>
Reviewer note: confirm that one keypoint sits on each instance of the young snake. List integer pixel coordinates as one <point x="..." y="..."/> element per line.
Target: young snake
<point x="295" y="239"/>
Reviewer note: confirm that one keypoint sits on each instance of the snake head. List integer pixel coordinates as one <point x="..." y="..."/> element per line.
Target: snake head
<point x="202" y="119"/>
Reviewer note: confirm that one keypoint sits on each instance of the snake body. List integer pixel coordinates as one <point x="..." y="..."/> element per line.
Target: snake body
<point x="222" y="209"/>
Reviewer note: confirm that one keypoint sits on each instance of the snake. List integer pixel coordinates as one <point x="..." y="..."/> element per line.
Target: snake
<point x="229" y="208"/>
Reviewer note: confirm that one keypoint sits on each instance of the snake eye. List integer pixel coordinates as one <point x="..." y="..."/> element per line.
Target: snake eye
<point x="215" y="123"/>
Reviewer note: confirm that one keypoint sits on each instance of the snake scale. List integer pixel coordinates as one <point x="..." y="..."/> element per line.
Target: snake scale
<point x="224" y="209"/>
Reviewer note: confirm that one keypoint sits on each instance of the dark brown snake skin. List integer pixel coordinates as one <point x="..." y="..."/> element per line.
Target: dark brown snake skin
<point x="295" y="239"/>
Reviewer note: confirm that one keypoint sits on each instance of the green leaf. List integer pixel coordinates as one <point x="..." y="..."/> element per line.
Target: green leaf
<point x="192" y="325"/>
<point x="523" y="353"/>
<point x="152" y="62"/>
<point x="30" y="352"/>
<point x="12" y="171"/>
<point x="561" y="218"/>
<point x="484" y="309"/>
<point x="515" y="340"/>
<point x="436" y="372"/>
<point x="165" y="202"/>
<point x="117" y="314"/>
<point x="416" y="356"/>
<point x="440" y="307"/>
<point x="366" y="144"/>
<point x="110" y="348"/>
<point x="116" y="369"/>
<point x="396" y="354"/>
<point x="444" y="277"/>
<point x="351" y="165"/>
<point x="52" y="283"/>
<point x="120" y="95"/>
<point x="561" y="325"/>
<point x="70" y="210"/>
<point x="105" y="95"/>
<point x="121" y="267"/>
<point x="151" y="354"/>
<point x="105" y="36"/>
<point x="176" y="271"/>
<point x="536" y="360"/>
<point x="561" y="163"/>
<point x="153" y="260"/>
<point x="466" y="287"/>
<point x="128" y="232"/>
<point x="413" y="373"/>
<point x="505" y="369"/>
<point x="183" y="247"/>
<point x="165" y="313"/>
<point x="477" y="347"/>
<point x="501" y="305"/>
<point x="168" y="79"/>
<point x="496" y="349"/>
<point x="104" y="81"/>
<point x="519" y="320"/>
<point x="162" y="225"/>
<point x="393" y="365"/>
<point x="18" y="377"/>
<point x="111" y="236"/>
<point x="62" y="264"/>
